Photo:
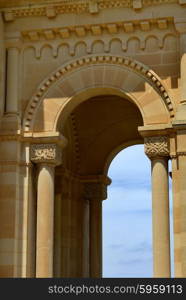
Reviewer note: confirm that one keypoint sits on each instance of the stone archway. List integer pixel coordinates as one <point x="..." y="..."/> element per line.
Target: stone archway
<point x="67" y="102"/>
<point x="75" y="80"/>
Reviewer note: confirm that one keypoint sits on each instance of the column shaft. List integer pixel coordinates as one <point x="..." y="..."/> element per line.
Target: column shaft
<point x="76" y="243"/>
<point x="181" y="217"/>
<point x="177" y="212"/>
<point x="96" y="238"/>
<point x="86" y="238"/>
<point x="57" y="235"/>
<point x="45" y="221"/>
<point x="12" y="80"/>
<point x="66" y="230"/>
<point x="160" y="210"/>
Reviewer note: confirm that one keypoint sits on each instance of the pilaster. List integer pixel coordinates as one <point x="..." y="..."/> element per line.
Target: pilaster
<point x="179" y="196"/>
<point x="180" y="25"/>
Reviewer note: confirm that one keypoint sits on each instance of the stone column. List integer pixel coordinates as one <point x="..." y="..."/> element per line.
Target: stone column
<point x="57" y="234"/>
<point x="86" y="238"/>
<point x="12" y="80"/>
<point x="157" y="150"/>
<point x="47" y="156"/>
<point x="95" y="192"/>
<point x="66" y="225"/>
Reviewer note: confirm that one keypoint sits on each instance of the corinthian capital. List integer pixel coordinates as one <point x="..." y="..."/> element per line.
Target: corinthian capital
<point x="156" y="146"/>
<point x="46" y="153"/>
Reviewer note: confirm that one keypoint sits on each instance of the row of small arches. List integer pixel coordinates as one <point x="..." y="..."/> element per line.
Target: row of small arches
<point x="115" y="46"/>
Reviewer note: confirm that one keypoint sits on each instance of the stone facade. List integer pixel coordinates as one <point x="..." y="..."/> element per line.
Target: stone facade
<point x="80" y="81"/>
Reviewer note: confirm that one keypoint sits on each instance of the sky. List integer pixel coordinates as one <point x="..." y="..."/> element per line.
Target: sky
<point x="127" y="216"/>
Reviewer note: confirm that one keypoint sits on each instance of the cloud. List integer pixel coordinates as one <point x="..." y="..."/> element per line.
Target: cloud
<point x="122" y="200"/>
<point x="116" y="246"/>
<point x="132" y="261"/>
<point x="144" y="246"/>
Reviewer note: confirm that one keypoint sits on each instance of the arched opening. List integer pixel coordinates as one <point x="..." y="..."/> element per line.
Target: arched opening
<point x="96" y="129"/>
<point x="98" y="108"/>
<point x="127" y="216"/>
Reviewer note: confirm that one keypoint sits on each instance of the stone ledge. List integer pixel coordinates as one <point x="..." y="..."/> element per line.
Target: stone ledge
<point x="51" y="9"/>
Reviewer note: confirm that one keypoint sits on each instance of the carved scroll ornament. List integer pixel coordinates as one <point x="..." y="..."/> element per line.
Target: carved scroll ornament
<point x="46" y="153"/>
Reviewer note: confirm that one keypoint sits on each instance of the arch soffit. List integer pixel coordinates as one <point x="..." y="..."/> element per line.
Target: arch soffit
<point x="124" y="74"/>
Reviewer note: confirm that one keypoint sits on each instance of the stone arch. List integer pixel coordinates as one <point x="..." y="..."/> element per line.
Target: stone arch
<point x="82" y="78"/>
<point x="115" y="152"/>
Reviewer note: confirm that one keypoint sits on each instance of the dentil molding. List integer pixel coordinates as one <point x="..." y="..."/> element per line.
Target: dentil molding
<point x="128" y="62"/>
<point x="51" y="10"/>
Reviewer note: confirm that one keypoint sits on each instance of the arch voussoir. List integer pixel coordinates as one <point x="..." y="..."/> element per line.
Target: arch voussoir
<point x="106" y="71"/>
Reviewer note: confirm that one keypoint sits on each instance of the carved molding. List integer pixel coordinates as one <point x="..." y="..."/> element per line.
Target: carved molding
<point x="98" y="29"/>
<point x="156" y="146"/>
<point x="79" y="6"/>
<point x="73" y="42"/>
<point x="95" y="190"/>
<point x="45" y="153"/>
<point x="177" y="154"/>
<point x="180" y="153"/>
<point x="128" y="62"/>
<point x="180" y="25"/>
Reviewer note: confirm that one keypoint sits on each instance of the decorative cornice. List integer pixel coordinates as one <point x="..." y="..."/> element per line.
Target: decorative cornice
<point x="128" y="62"/>
<point x="180" y="25"/>
<point x="181" y="153"/>
<point x="51" y="10"/>
<point x="177" y="154"/>
<point x="98" y="29"/>
<point x="15" y="163"/>
<point x="156" y="146"/>
<point x="45" y="153"/>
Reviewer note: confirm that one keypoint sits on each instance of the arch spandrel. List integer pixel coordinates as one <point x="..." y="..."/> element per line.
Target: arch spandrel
<point x="72" y="84"/>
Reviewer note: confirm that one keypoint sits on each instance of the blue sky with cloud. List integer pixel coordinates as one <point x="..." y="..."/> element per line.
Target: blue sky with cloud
<point x="127" y="216"/>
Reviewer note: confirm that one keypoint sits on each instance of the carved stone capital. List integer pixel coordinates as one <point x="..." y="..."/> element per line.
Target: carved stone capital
<point x="45" y="153"/>
<point x="95" y="190"/>
<point x="156" y="146"/>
